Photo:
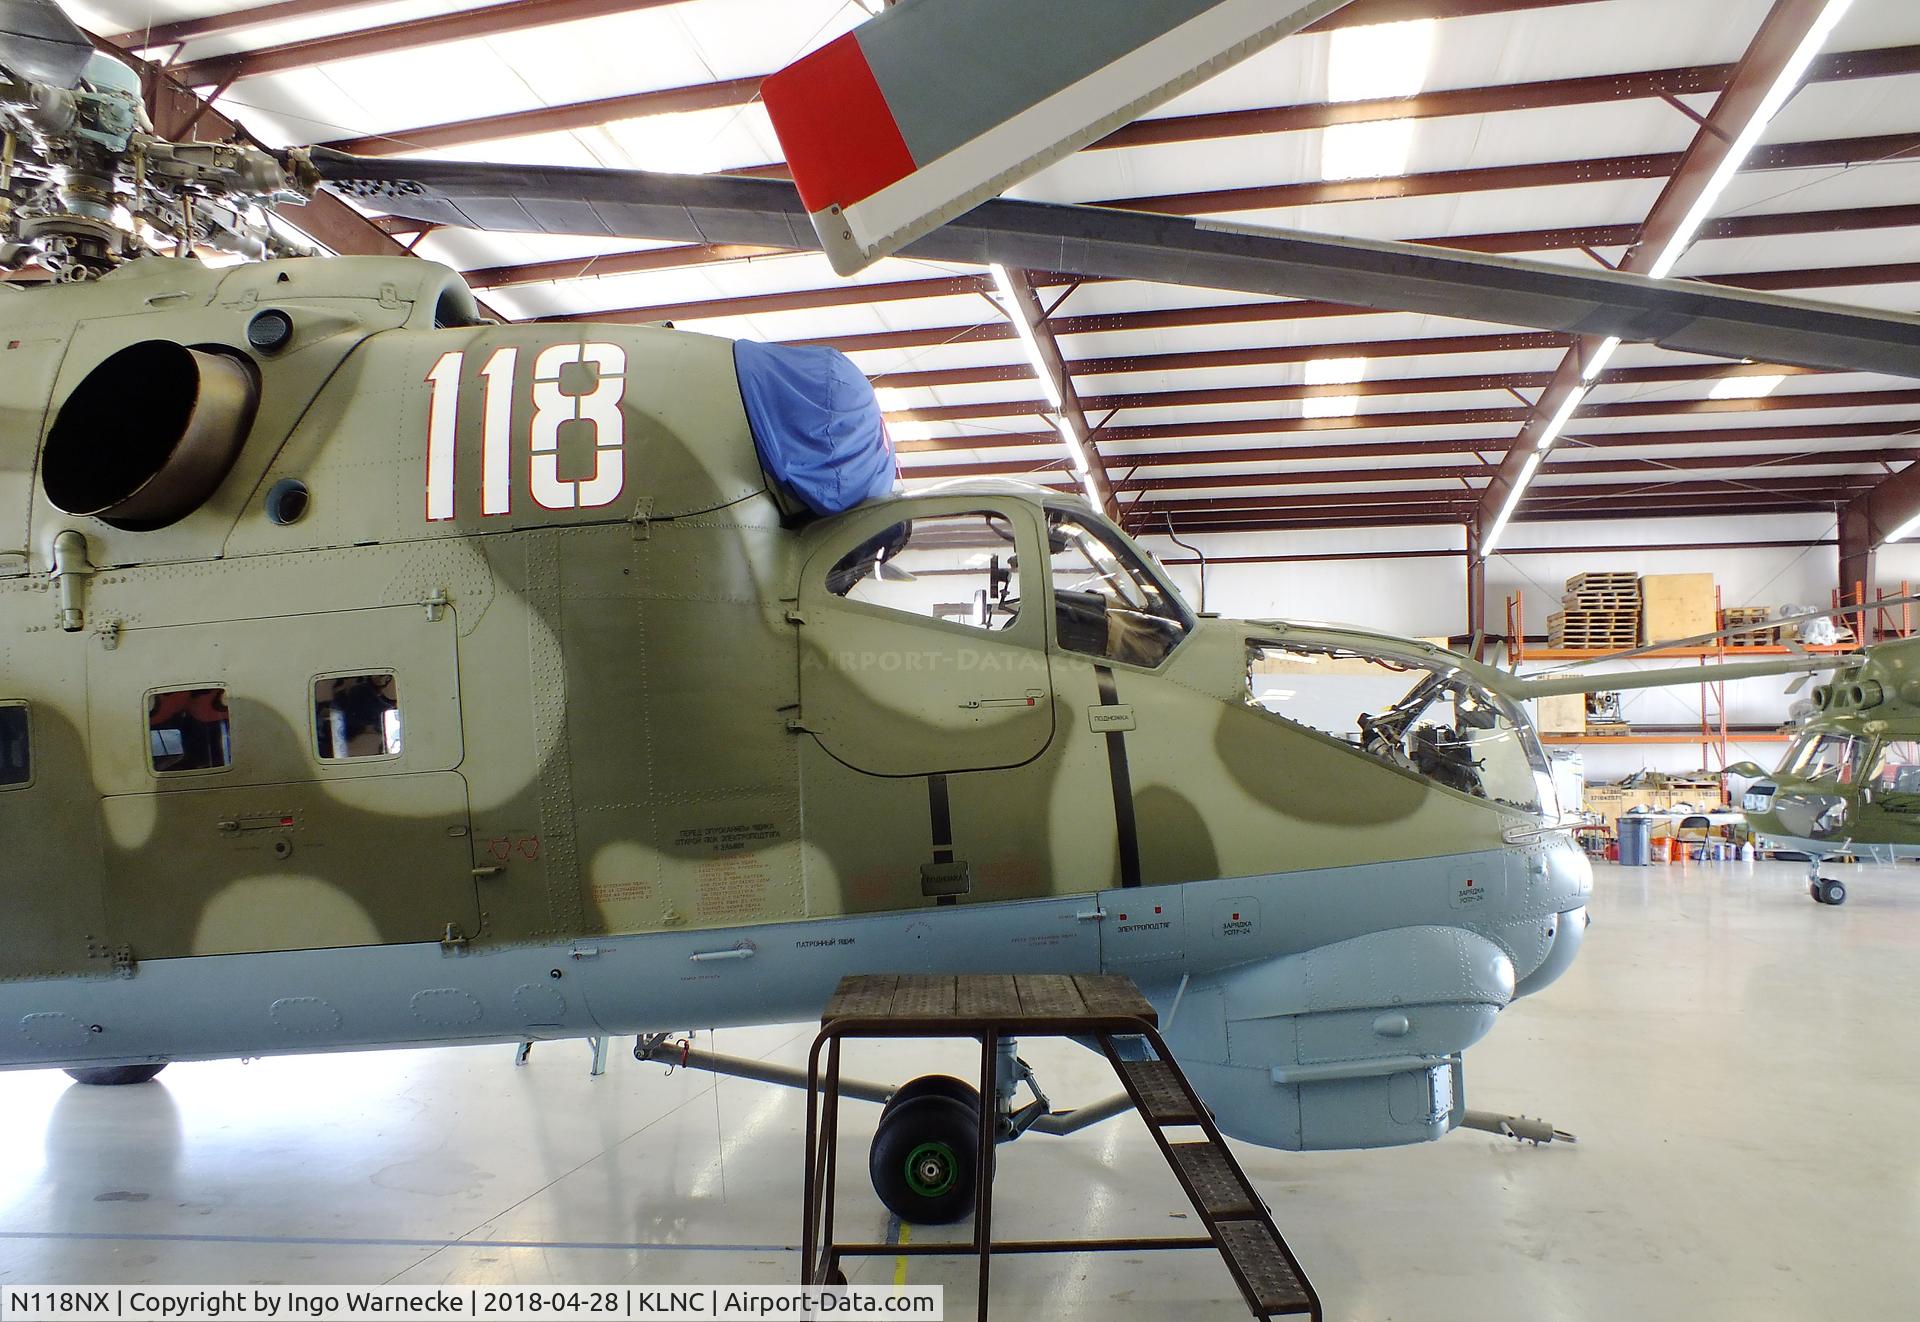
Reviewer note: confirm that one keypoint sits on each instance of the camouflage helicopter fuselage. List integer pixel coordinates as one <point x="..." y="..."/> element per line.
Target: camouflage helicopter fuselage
<point x="657" y="771"/>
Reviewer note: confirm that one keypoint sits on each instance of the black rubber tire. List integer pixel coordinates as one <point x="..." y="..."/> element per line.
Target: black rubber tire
<point x="924" y="1159"/>
<point x="1813" y="889"/>
<point x="1835" y="892"/>
<point x="934" y="1085"/>
<point x="115" y="1076"/>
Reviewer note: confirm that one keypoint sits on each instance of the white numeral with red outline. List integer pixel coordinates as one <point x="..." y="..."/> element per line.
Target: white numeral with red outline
<point x="599" y="408"/>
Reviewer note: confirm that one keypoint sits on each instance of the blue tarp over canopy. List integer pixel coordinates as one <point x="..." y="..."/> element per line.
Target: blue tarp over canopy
<point x="816" y="424"/>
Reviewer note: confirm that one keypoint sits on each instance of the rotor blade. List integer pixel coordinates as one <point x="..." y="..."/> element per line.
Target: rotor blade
<point x="40" y="43"/>
<point x="1546" y="686"/>
<point x="1100" y="241"/>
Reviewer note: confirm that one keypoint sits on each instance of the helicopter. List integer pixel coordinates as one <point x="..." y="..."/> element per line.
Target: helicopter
<point x="1849" y="781"/>
<point x="378" y="675"/>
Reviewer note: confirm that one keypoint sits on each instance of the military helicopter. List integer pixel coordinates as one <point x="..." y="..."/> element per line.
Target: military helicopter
<point x="375" y="675"/>
<point x="1849" y="783"/>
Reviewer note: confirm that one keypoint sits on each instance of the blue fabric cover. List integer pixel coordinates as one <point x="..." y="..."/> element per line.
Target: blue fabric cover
<point x="816" y="424"/>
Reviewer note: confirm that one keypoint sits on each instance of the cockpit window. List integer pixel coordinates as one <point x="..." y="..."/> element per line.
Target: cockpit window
<point x="954" y="567"/>
<point x="1825" y="757"/>
<point x="1430" y="720"/>
<point x="1106" y="603"/>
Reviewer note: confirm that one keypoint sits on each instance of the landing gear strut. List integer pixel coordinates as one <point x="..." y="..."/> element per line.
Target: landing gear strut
<point x="1828" y="890"/>
<point x="1825" y="890"/>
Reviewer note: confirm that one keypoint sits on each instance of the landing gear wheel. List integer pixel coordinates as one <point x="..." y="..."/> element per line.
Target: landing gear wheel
<point x="1832" y="892"/>
<point x="924" y="1159"/>
<point x="933" y="1085"/>
<point x="1813" y="889"/>
<point x="113" y="1076"/>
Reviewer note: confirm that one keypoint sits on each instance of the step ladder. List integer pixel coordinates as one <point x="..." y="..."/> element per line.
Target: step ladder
<point x="1106" y="1009"/>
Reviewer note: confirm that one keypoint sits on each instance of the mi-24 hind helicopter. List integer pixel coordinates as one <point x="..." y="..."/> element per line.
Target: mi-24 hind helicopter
<point x="373" y="675"/>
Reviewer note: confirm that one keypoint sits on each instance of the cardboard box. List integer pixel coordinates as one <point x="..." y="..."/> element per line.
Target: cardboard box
<point x="1563" y="713"/>
<point x="1674" y="606"/>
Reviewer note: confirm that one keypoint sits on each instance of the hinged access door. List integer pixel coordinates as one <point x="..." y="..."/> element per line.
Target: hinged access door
<point x="283" y="784"/>
<point x="922" y="643"/>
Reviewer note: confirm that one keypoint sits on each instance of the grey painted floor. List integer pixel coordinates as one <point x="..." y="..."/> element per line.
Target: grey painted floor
<point x="1742" y="1068"/>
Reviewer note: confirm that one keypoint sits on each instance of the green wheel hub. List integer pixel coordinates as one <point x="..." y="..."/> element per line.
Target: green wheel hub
<point x="932" y="1169"/>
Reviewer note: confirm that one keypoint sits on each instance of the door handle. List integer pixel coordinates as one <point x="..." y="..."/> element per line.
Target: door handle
<point x="1091" y="915"/>
<point x="1031" y="698"/>
<point x="745" y="950"/>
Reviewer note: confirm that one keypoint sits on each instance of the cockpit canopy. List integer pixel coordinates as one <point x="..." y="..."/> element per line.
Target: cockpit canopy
<point x="965" y="567"/>
<point x="1422" y="717"/>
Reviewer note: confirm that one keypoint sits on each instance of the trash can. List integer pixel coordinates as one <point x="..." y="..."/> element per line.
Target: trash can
<point x="1636" y="837"/>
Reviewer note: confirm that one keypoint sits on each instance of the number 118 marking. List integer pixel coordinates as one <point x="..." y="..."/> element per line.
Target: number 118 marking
<point x="553" y="408"/>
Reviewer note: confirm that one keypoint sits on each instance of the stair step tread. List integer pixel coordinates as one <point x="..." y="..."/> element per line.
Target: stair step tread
<point x="1158" y="1084"/>
<point x="1217" y="1185"/>
<point x="1253" y="1248"/>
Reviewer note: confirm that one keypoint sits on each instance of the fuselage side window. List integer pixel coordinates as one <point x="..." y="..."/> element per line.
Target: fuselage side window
<point x="16" y="746"/>
<point x="356" y="716"/>
<point x="953" y="567"/>
<point x="189" y="730"/>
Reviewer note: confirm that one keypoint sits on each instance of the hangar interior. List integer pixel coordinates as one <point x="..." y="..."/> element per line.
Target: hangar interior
<point x="1737" y="1063"/>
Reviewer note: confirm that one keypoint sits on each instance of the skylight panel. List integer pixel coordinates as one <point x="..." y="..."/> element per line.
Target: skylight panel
<point x="1370" y="63"/>
<point x="1333" y="372"/>
<point x="1746" y="387"/>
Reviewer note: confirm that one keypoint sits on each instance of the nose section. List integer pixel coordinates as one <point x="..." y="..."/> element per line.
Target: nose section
<point x="1569" y="879"/>
<point x="1569" y="933"/>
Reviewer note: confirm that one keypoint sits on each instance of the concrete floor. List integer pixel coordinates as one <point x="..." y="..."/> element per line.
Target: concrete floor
<point x="1742" y="1068"/>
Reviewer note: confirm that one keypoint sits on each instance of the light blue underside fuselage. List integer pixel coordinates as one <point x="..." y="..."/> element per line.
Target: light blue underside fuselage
<point x="1277" y="979"/>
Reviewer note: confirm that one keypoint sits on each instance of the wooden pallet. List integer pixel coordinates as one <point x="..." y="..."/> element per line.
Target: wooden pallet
<point x="1609" y="581"/>
<point x="1735" y="617"/>
<point x="1614" y="628"/>
<point x="1608" y="729"/>
<point x="1602" y="591"/>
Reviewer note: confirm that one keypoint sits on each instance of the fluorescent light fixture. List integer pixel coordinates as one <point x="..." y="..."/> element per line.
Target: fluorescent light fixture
<point x="1077" y="449"/>
<point x="1048" y="385"/>
<point x="1574" y="399"/>
<point x="1376" y="62"/>
<point x="1333" y="372"/>
<point x="1597" y="360"/>
<point x="1075" y="446"/>
<point x="1492" y="538"/>
<point x="1770" y="104"/>
<point x="1745" y="387"/>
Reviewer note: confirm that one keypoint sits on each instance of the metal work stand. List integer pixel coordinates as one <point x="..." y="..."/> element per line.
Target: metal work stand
<point x="1102" y="1009"/>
